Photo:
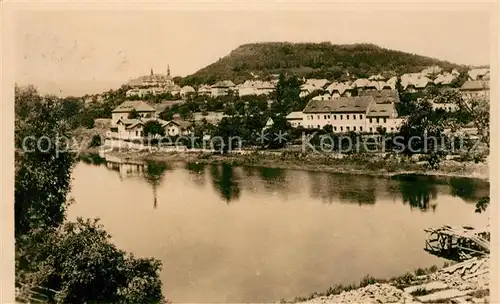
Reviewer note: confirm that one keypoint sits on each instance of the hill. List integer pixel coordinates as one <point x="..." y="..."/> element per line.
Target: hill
<point x="313" y="60"/>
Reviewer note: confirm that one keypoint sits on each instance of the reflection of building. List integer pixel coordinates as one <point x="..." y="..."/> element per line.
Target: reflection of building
<point x="152" y="172"/>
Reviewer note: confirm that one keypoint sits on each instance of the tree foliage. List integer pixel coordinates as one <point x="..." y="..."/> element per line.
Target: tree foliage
<point x="70" y="262"/>
<point x="153" y="127"/>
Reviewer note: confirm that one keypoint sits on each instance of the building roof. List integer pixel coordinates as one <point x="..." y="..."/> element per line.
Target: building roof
<point x="223" y="84"/>
<point x="356" y="104"/>
<point x="295" y="115"/>
<point x="474" y="85"/>
<point x="475" y="73"/>
<point x="384" y="96"/>
<point x="129" y="105"/>
<point x="183" y="124"/>
<point x="380" y="110"/>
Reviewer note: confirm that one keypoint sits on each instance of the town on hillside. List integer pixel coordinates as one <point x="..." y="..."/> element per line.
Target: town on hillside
<point x="363" y="105"/>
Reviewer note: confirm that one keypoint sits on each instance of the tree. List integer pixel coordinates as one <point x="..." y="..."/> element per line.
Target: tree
<point x="43" y="164"/>
<point x="328" y="129"/>
<point x="153" y="127"/>
<point x="68" y="262"/>
<point x="133" y="114"/>
<point x="78" y="261"/>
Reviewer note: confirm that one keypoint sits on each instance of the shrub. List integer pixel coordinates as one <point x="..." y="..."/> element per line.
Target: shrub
<point x="96" y="141"/>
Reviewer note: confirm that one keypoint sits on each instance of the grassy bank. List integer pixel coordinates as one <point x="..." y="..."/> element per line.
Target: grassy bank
<point x="348" y="164"/>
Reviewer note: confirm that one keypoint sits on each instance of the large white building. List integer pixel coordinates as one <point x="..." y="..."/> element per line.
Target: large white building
<point x="363" y="113"/>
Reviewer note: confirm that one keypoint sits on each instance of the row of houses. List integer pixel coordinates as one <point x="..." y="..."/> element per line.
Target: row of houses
<point x="371" y="109"/>
<point x="125" y="128"/>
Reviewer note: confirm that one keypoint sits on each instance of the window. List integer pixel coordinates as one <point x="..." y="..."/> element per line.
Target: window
<point x="142" y="133"/>
<point x="449" y="108"/>
<point x="354" y="128"/>
<point x="334" y="117"/>
<point x="328" y="116"/>
<point x="360" y="116"/>
<point x="378" y="120"/>
<point x="335" y="129"/>
<point x="392" y="129"/>
<point x="340" y="117"/>
<point x="385" y="120"/>
<point x="136" y="133"/>
<point x="325" y="116"/>
<point x="354" y="117"/>
<point x="361" y="129"/>
<point x="347" y="117"/>
<point x="341" y="129"/>
<point x="371" y="129"/>
<point x="347" y="128"/>
<point x="319" y="127"/>
<point x="370" y="120"/>
<point x="317" y="116"/>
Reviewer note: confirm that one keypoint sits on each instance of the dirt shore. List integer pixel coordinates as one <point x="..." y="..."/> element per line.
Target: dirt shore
<point x="355" y="164"/>
<point x="465" y="282"/>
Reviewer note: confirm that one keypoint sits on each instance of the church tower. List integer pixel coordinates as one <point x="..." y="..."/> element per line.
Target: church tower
<point x="151" y="71"/>
<point x="168" y="70"/>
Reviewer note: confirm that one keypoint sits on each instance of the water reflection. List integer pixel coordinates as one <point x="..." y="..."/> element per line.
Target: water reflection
<point x="420" y="192"/>
<point x="344" y="188"/>
<point x="197" y="173"/>
<point x="225" y="182"/>
<point x="154" y="174"/>
<point x="469" y="190"/>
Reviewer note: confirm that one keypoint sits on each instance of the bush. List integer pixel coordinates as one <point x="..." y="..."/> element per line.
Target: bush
<point x="96" y="141"/>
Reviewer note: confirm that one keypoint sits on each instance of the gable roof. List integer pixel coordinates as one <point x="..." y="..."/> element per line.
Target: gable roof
<point x="356" y="104"/>
<point x="380" y="109"/>
<point x="295" y="115"/>
<point x="471" y="85"/>
<point x="130" y="105"/>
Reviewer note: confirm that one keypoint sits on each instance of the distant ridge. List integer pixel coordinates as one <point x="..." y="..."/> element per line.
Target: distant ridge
<point x="313" y="60"/>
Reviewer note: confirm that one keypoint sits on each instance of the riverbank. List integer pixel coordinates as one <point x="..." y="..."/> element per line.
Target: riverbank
<point x="350" y="164"/>
<point x="465" y="282"/>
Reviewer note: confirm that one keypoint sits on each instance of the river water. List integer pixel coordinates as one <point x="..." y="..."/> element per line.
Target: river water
<point x="246" y="234"/>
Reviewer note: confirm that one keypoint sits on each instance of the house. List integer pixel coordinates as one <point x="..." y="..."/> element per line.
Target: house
<point x="363" y="113"/>
<point x="222" y="88"/>
<point x="479" y="74"/>
<point x="122" y="111"/>
<point x="382" y="115"/>
<point x="360" y="83"/>
<point x="444" y="79"/>
<point x="130" y="129"/>
<point x="345" y="114"/>
<point x="295" y="119"/>
<point x="186" y="90"/>
<point x="476" y="89"/>
<point x="177" y="127"/>
<point x="432" y="70"/>
<point x="205" y="90"/>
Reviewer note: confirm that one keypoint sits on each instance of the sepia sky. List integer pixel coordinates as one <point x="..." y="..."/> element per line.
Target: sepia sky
<point x="83" y="51"/>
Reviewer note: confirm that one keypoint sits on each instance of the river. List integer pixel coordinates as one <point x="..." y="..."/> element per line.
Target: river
<point x="247" y="234"/>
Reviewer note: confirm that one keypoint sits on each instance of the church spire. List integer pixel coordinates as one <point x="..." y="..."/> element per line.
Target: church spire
<point x="151" y="71"/>
<point x="168" y="69"/>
